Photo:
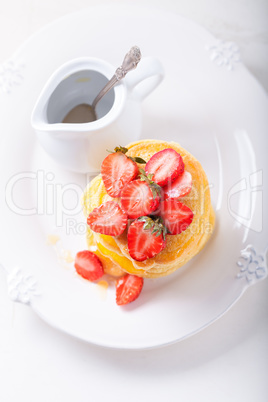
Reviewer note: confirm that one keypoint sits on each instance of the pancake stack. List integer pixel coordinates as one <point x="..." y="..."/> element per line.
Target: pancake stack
<point x="113" y="251"/>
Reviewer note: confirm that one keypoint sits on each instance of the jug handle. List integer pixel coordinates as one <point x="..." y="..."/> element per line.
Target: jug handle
<point x="145" y="78"/>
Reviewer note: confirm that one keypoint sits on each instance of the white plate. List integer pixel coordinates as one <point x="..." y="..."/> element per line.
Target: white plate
<point x="210" y="104"/>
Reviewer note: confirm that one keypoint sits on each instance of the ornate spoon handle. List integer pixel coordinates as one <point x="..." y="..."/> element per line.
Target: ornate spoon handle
<point x="130" y="62"/>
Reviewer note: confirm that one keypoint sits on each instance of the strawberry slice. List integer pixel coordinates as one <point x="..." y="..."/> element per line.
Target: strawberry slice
<point x="128" y="288"/>
<point x="146" y="238"/>
<point x="180" y="187"/>
<point x="88" y="265"/>
<point x="138" y="199"/>
<point x="176" y="216"/>
<point x="117" y="170"/>
<point x="165" y="166"/>
<point x="108" y="219"/>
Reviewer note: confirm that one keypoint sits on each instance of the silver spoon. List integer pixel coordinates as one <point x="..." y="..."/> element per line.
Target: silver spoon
<point x="85" y="113"/>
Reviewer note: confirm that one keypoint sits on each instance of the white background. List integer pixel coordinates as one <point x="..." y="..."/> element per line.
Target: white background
<point x="228" y="361"/>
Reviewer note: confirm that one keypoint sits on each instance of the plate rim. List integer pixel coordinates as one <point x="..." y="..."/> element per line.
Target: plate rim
<point x="21" y="50"/>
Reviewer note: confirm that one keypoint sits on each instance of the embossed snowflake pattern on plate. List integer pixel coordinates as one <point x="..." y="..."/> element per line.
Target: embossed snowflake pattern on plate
<point x="11" y="75"/>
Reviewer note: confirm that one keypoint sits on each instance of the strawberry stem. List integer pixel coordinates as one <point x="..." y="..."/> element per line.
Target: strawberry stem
<point x="156" y="223"/>
<point x="124" y="150"/>
<point x="121" y="149"/>
<point x="156" y="189"/>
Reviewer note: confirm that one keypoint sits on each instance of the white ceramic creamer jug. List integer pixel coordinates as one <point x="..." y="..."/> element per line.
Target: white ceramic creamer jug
<point x="81" y="147"/>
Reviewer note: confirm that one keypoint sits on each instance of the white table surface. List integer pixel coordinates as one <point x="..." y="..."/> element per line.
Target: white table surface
<point x="228" y="361"/>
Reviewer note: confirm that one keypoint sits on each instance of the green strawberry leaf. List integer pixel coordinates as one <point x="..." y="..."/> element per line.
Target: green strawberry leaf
<point x="156" y="189"/>
<point x="124" y="150"/>
<point x="156" y="224"/>
<point x="137" y="159"/>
